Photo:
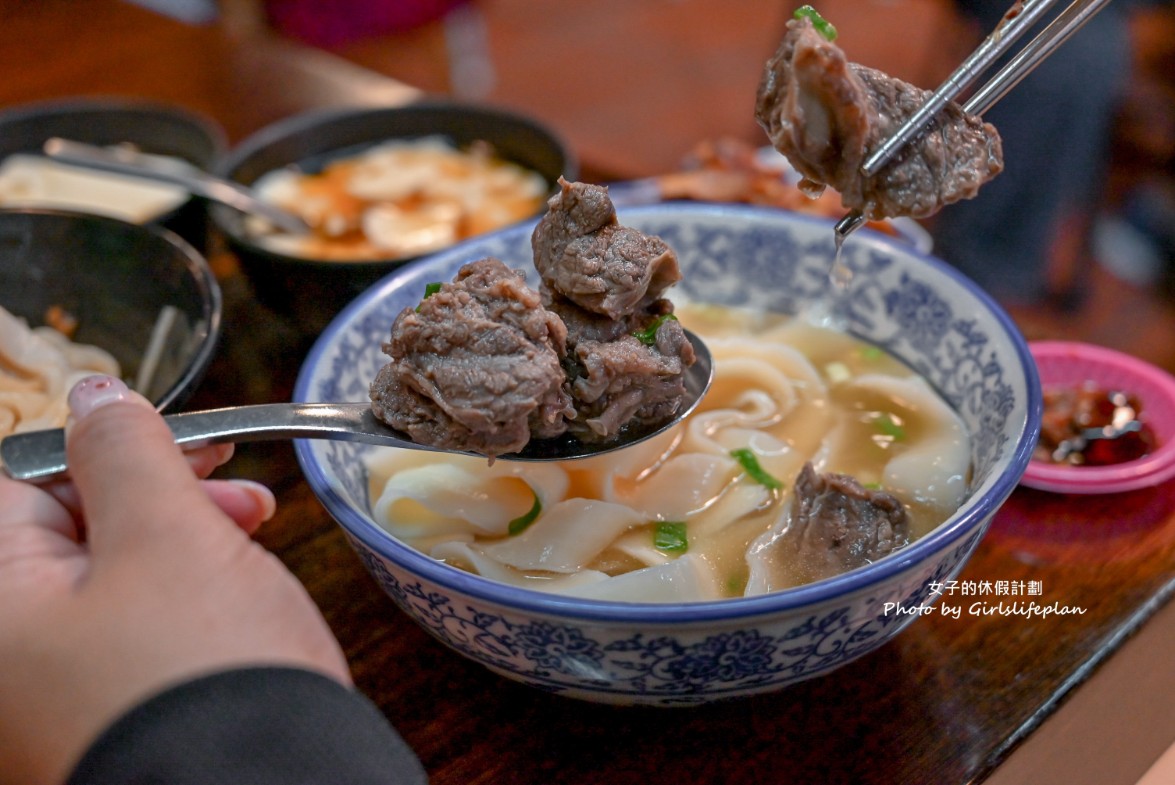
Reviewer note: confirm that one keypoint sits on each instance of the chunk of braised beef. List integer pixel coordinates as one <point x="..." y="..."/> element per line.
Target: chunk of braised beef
<point x="828" y="115"/>
<point x="476" y="366"/>
<point x="837" y="524"/>
<point x="605" y="282"/>
<point x="583" y="254"/>
<point x="627" y="382"/>
<point x="583" y="325"/>
<point x="486" y="363"/>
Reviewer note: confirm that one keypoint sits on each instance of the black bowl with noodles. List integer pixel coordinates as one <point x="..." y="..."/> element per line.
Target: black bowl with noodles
<point x="312" y="291"/>
<point x="141" y="293"/>
<point x="147" y="126"/>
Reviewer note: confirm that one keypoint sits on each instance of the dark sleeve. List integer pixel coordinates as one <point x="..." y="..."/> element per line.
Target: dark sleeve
<point x="252" y="726"/>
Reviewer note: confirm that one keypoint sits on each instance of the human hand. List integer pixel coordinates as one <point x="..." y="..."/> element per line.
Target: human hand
<point x="133" y="576"/>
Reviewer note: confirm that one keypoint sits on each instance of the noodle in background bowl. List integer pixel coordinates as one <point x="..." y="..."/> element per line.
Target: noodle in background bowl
<point x="149" y="127"/>
<point x="139" y="292"/>
<point x="918" y="308"/>
<point x="312" y="291"/>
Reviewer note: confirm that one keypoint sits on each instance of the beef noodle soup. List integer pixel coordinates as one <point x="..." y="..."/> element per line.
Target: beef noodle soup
<point x="814" y="453"/>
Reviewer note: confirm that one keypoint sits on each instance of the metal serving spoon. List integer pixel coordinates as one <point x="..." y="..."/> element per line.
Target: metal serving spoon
<point x="40" y="455"/>
<point x="195" y="181"/>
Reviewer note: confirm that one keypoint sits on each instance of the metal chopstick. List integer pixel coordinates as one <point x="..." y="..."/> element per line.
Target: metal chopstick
<point x="1058" y="32"/>
<point x="1006" y="33"/>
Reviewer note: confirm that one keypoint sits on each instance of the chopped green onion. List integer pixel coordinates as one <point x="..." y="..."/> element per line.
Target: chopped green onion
<point x="888" y="426"/>
<point x="669" y="536"/>
<point x="820" y="23"/>
<point x="520" y="524"/>
<point x="750" y="464"/>
<point x="735" y="583"/>
<point x="648" y="336"/>
<point x="429" y="290"/>
<point x="872" y="353"/>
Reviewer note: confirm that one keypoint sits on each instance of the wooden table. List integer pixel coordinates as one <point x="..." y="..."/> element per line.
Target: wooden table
<point x="951" y="701"/>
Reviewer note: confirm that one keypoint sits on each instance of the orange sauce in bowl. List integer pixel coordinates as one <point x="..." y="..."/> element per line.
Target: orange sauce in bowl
<point x="400" y="199"/>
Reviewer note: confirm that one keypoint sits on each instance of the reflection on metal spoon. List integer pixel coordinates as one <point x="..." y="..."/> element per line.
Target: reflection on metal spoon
<point x="40" y="455"/>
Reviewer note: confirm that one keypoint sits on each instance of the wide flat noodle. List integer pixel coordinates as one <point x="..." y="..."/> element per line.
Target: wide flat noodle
<point x="933" y="469"/>
<point x="436" y="494"/>
<point x="685" y="579"/>
<point x="684" y="485"/>
<point x="766" y="573"/>
<point x="567" y="537"/>
<point x="761" y="386"/>
<point x="38" y="367"/>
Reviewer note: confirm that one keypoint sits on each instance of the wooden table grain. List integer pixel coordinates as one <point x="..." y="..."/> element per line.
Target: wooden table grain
<point x="943" y="704"/>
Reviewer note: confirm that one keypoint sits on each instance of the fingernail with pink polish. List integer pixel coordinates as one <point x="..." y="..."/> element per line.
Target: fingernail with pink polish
<point x="262" y="494"/>
<point x="94" y="392"/>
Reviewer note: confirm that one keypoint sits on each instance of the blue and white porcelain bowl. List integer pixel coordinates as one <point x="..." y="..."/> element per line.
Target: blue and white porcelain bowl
<point x="920" y="309"/>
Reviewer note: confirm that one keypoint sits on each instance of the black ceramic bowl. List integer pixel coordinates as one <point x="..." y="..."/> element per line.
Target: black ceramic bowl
<point x="311" y="291"/>
<point x="115" y="278"/>
<point x="151" y="127"/>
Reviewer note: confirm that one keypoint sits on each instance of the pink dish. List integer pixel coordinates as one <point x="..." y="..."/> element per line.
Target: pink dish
<point x="1071" y="363"/>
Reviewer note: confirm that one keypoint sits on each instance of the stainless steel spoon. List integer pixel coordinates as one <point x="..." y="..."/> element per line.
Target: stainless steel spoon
<point x="40" y="455"/>
<point x="196" y="181"/>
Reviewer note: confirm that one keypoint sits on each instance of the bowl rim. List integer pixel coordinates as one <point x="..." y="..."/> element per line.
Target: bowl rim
<point x="1150" y="469"/>
<point x="279" y="129"/>
<point x="87" y="104"/>
<point x="227" y="163"/>
<point x="211" y="297"/>
<point x="830" y="590"/>
<point x="93" y="105"/>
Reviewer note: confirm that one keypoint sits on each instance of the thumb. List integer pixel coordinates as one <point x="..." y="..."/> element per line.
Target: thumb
<point x="133" y="480"/>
